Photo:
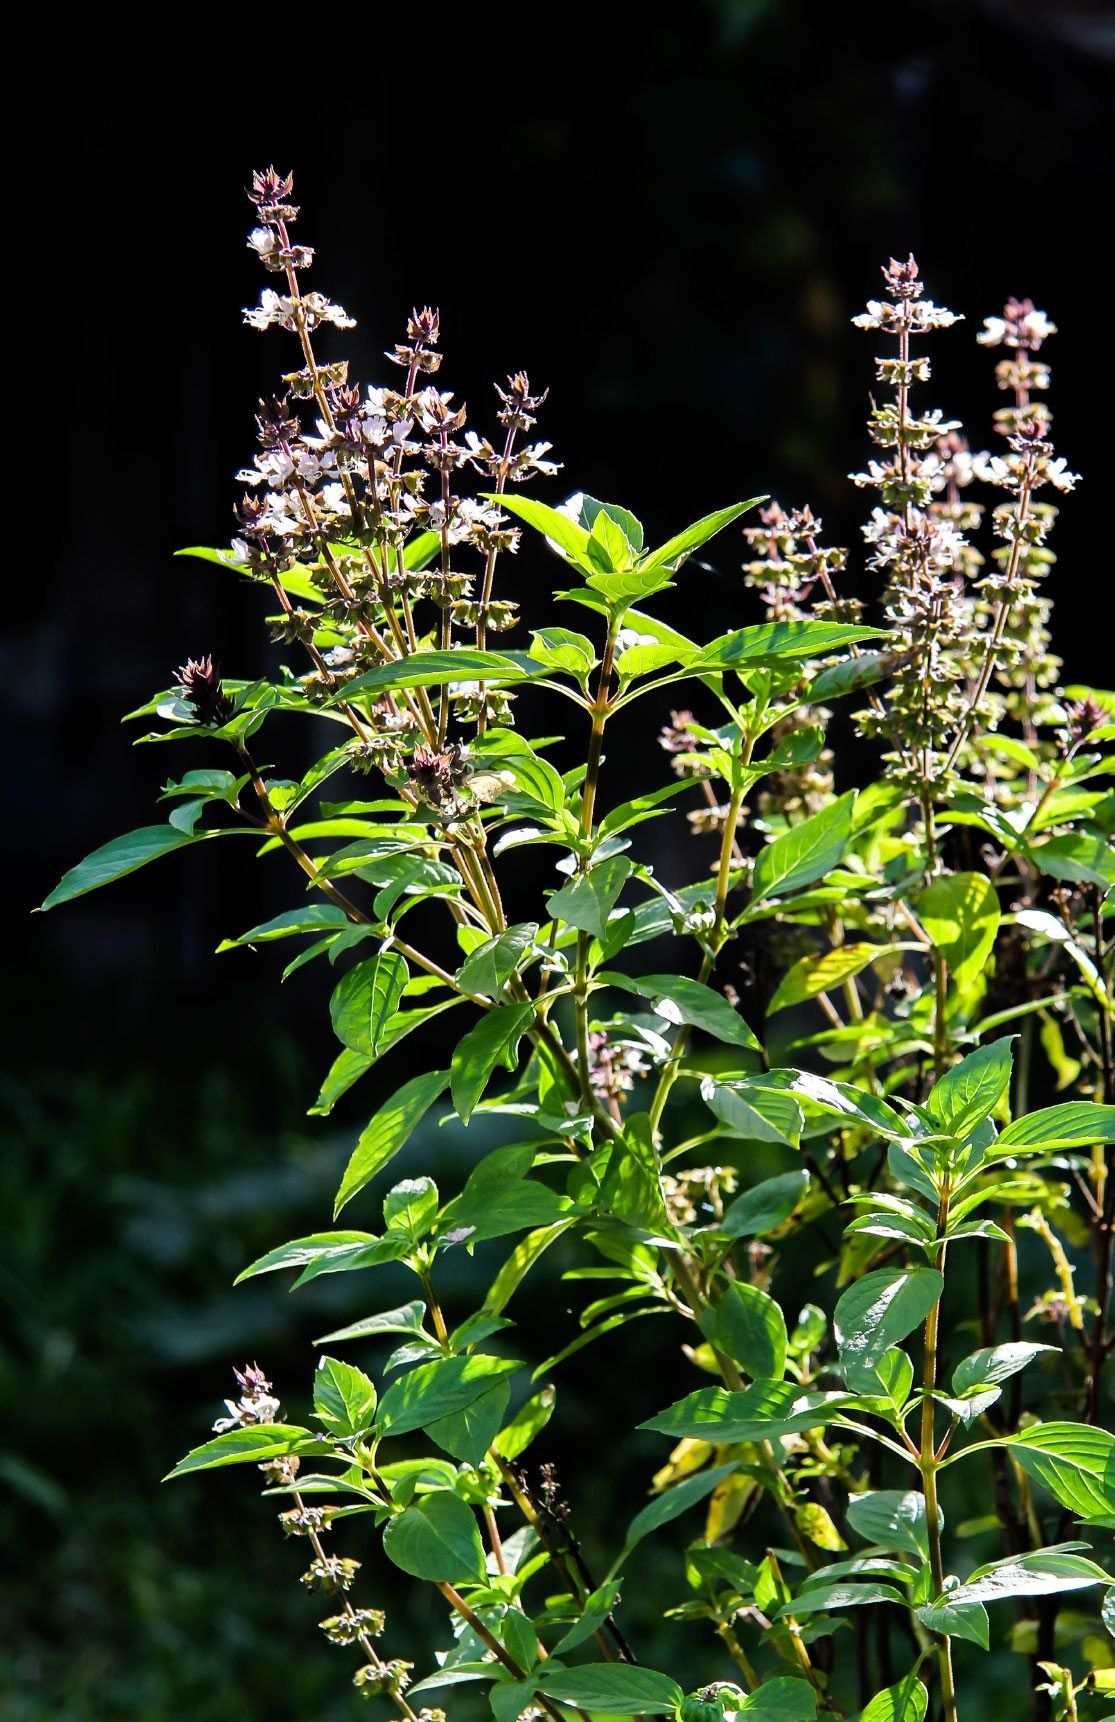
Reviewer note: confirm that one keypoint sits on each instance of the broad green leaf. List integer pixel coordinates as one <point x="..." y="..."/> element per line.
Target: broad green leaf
<point x="906" y="1702"/>
<point x="411" y="1208"/>
<point x="806" y="852"/>
<point x="966" y="1620"/>
<point x="891" y="1519"/>
<point x="770" y="642"/>
<point x="822" y="972"/>
<point x="995" y="1363"/>
<point x="762" y="1412"/>
<point x="256" y="1444"/>
<point x="764" y="1208"/>
<point x="1079" y="856"/>
<point x="1074" y="1124"/>
<point x="588" y="900"/>
<point x="675" y="550"/>
<point x="681" y="1000"/>
<point x="616" y="1688"/>
<point x="878" y="1311"/>
<point x="439" y="1389"/>
<point x="632" y="1186"/>
<point x="492" y="1040"/>
<point x="519" y="1264"/>
<point x="381" y="1140"/>
<point x="566" y="536"/>
<point x="487" y="969"/>
<point x="408" y="1318"/>
<point x="436" y="1539"/>
<point x="972" y="1089"/>
<point x="780" y="1700"/>
<point x="123" y="855"/>
<point x="754" y="1113"/>
<point x="313" y="918"/>
<point x="365" y="999"/>
<point x="961" y="916"/>
<point x="493" y="1210"/>
<point x="748" y="1326"/>
<point x="467" y="1434"/>
<point x="562" y="649"/>
<point x="344" y="1398"/>
<point x="435" y="669"/>
<point x="598" y="1605"/>
<point x="671" y="1504"/>
<point x="528" y="1421"/>
<point x="821" y="1099"/>
<point x="1075" y="1462"/>
<point x="831" y="1598"/>
<point x="628" y="523"/>
<point x="299" y="1251"/>
<point x="1043" y="1573"/>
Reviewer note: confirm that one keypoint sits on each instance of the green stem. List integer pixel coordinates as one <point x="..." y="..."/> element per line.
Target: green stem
<point x="928" y="1464"/>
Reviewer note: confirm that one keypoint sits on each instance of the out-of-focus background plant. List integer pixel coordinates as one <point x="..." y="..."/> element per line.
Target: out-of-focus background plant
<point x="665" y="220"/>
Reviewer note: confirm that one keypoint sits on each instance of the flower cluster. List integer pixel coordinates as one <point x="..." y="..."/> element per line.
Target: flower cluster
<point x="367" y="500"/>
<point x="697" y="1192"/>
<point x="917" y="538"/>
<point x="256" y="1404"/>
<point x="1012" y="608"/>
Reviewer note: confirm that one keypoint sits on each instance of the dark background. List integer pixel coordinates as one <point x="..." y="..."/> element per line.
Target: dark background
<point x="668" y="215"/>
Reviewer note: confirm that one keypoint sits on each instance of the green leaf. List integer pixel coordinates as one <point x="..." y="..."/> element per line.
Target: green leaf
<point x="965" y="1620"/>
<point x="566" y="536"/>
<point x="365" y="999"/>
<point x="436" y="669"/>
<point x="831" y="1598"/>
<point x="411" y="1208"/>
<point x="688" y="1001"/>
<point x="1075" y="1124"/>
<point x="763" y="1208"/>
<point x="381" y="1140"/>
<point x="467" y="1434"/>
<point x="769" y="642"/>
<point x="878" y="1311"/>
<point x="598" y="1605"/>
<point x="519" y="1263"/>
<point x="675" y="550"/>
<point x="439" y="1389"/>
<point x="617" y="1688"/>
<point x="906" y="1702"/>
<point x="891" y="1519"/>
<point x="995" y="1363"/>
<point x="299" y="1251"/>
<point x="632" y="1186"/>
<point x="762" y="1412"/>
<point x="123" y="855"/>
<point x="961" y="916"/>
<point x="823" y="971"/>
<point x="257" y="1444"/>
<point x="588" y="900"/>
<point x="748" y="1326"/>
<point x="408" y="1318"/>
<point x="436" y="1539"/>
<point x="489" y="967"/>
<point x="1079" y="856"/>
<point x="780" y="1700"/>
<point x="972" y="1089"/>
<point x="313" y="918"/>
<point x="671" y="1504"/>
<point x="493" y="1209"/>
<point x="806" y="852"/>
<point x="1045" y="1572"/>
<point x="528" y="1421"/>
<point x="562" y="649"/>
<point x="344" y="1398"/>
<point x="756" y="1114"/>
<point x="1075" y="1462"/>
<point x="494" y="1038"/>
